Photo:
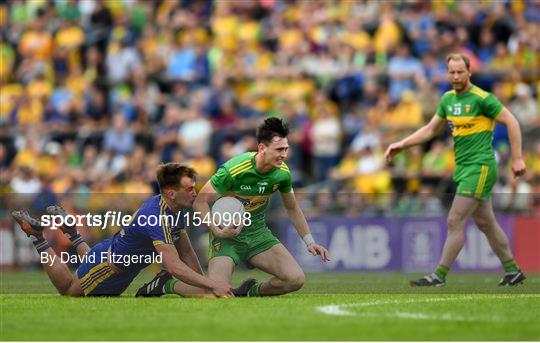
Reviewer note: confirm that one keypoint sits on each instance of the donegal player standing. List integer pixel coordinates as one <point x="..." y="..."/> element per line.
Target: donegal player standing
<point x="253" y="177"/>
<point x="471" y="114"/>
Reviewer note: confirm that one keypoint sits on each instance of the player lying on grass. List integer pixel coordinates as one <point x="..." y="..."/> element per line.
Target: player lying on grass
<point x="471" y="114"/>
<point x="253" y="177"/>
<point x="99" y="275"/>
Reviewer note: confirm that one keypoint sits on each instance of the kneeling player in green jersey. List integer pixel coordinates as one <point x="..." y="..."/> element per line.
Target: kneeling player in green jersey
<point x="471" y="113"/>
<point x="253" y="177"/>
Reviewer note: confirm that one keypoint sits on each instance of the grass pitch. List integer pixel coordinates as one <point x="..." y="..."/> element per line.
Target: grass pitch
<point x="331" y="306"/>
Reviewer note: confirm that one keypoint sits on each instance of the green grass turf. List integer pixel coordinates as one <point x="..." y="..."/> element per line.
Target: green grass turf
<point x="363" y="306"/>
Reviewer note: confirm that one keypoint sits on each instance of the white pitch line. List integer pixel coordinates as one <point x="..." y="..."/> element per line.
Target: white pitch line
<point x="338" y="310"/>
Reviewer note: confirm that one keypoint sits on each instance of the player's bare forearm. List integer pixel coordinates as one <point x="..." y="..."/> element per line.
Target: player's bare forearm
<point x="295" y="213"/>
<point x="422" y="135"/>
<point x="187" y="254"/>
<point x="179" y="269"/>
<point x="514" y="132"/>
<point x="201" y="204"/>
<point x="300" y="224"/>
<point x="299" y="221"/>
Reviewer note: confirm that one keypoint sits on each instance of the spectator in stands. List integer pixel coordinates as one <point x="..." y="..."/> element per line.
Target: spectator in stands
<point x="119" y="139"/>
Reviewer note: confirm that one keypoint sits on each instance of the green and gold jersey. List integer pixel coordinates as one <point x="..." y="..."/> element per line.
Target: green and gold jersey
<point x="471" y="117"/>
<point x="239" y="177"/>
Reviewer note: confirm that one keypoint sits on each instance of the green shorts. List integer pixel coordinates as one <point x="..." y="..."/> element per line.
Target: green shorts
<point x="243" y="247"/>
<point x="475" y="180"/>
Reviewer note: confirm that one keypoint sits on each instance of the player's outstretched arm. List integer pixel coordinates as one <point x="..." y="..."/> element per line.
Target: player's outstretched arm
<point x="300" y="223"/>
<point x="181" y="271"/>
<point x="201" y="205"/>
<point x="422" y="135"/>
<point x="514" y="134"/>
<point x="187" y="254"/>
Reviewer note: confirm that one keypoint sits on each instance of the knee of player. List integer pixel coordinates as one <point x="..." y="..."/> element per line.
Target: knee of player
<point x="454" y="222"/>
<point x="296" y="281"/>
<point x="482" y="224"/>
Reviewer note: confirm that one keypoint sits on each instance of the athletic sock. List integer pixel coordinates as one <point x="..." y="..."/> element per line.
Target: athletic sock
<point x="510" y="266"/>
<point x="75" y="239"/>
<point x="40" y="243"/>
<point x="254" y="291"/>
<point x="441" y="271"/>
<point x="168" y="288"/>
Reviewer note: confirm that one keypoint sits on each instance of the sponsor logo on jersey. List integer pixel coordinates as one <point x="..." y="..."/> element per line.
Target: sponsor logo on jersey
<point x="262" y="183"/>
<point x="253" y="202"/>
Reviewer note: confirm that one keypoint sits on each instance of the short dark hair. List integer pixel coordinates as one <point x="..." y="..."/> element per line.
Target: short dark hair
<point x="170" y="174"/>
<point x="271" y="128"/>
<point x="457" y="57"/>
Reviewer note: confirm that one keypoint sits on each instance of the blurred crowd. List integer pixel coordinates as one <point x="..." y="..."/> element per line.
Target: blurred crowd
<point x="95" y="94"/>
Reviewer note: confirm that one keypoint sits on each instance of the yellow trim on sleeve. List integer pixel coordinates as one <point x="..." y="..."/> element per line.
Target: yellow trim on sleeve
<point x="239" y="166"/>
<point x="240" y="171"/>
<point x="481" y="93"/>
<point x="166" y="231"/>
<point x="157" y="242"/>
<point x="499" y="113"/>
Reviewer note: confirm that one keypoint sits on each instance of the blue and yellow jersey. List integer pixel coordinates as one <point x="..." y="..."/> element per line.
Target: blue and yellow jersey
<point x="148" y="229"/>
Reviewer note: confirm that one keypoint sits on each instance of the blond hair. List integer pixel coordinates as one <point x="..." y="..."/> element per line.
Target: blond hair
<point x="457" y="57"/>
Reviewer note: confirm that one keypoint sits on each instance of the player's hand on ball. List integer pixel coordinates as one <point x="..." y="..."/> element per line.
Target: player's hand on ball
<point x="316" y="249"/>
<point x="518" y="167"/>
<point x="392" y="150"/>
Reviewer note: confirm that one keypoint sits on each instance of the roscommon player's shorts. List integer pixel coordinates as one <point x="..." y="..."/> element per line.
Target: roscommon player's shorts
<point x="243" y="247"/>
<point x="475" y="180"/>
<point x="97" y="278"/>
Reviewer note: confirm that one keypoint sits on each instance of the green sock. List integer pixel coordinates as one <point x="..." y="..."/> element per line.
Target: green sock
<point x="254" y="291"/>
<point x="441" y="271"/>
<point x="169" y="286"/>
<point x="510" y="266"/>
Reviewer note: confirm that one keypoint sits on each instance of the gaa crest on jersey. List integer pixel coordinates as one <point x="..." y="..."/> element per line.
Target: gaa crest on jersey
<point x="274" y="188"/>
<point x="217" y="246"/>
<point x="467" y="108"/>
